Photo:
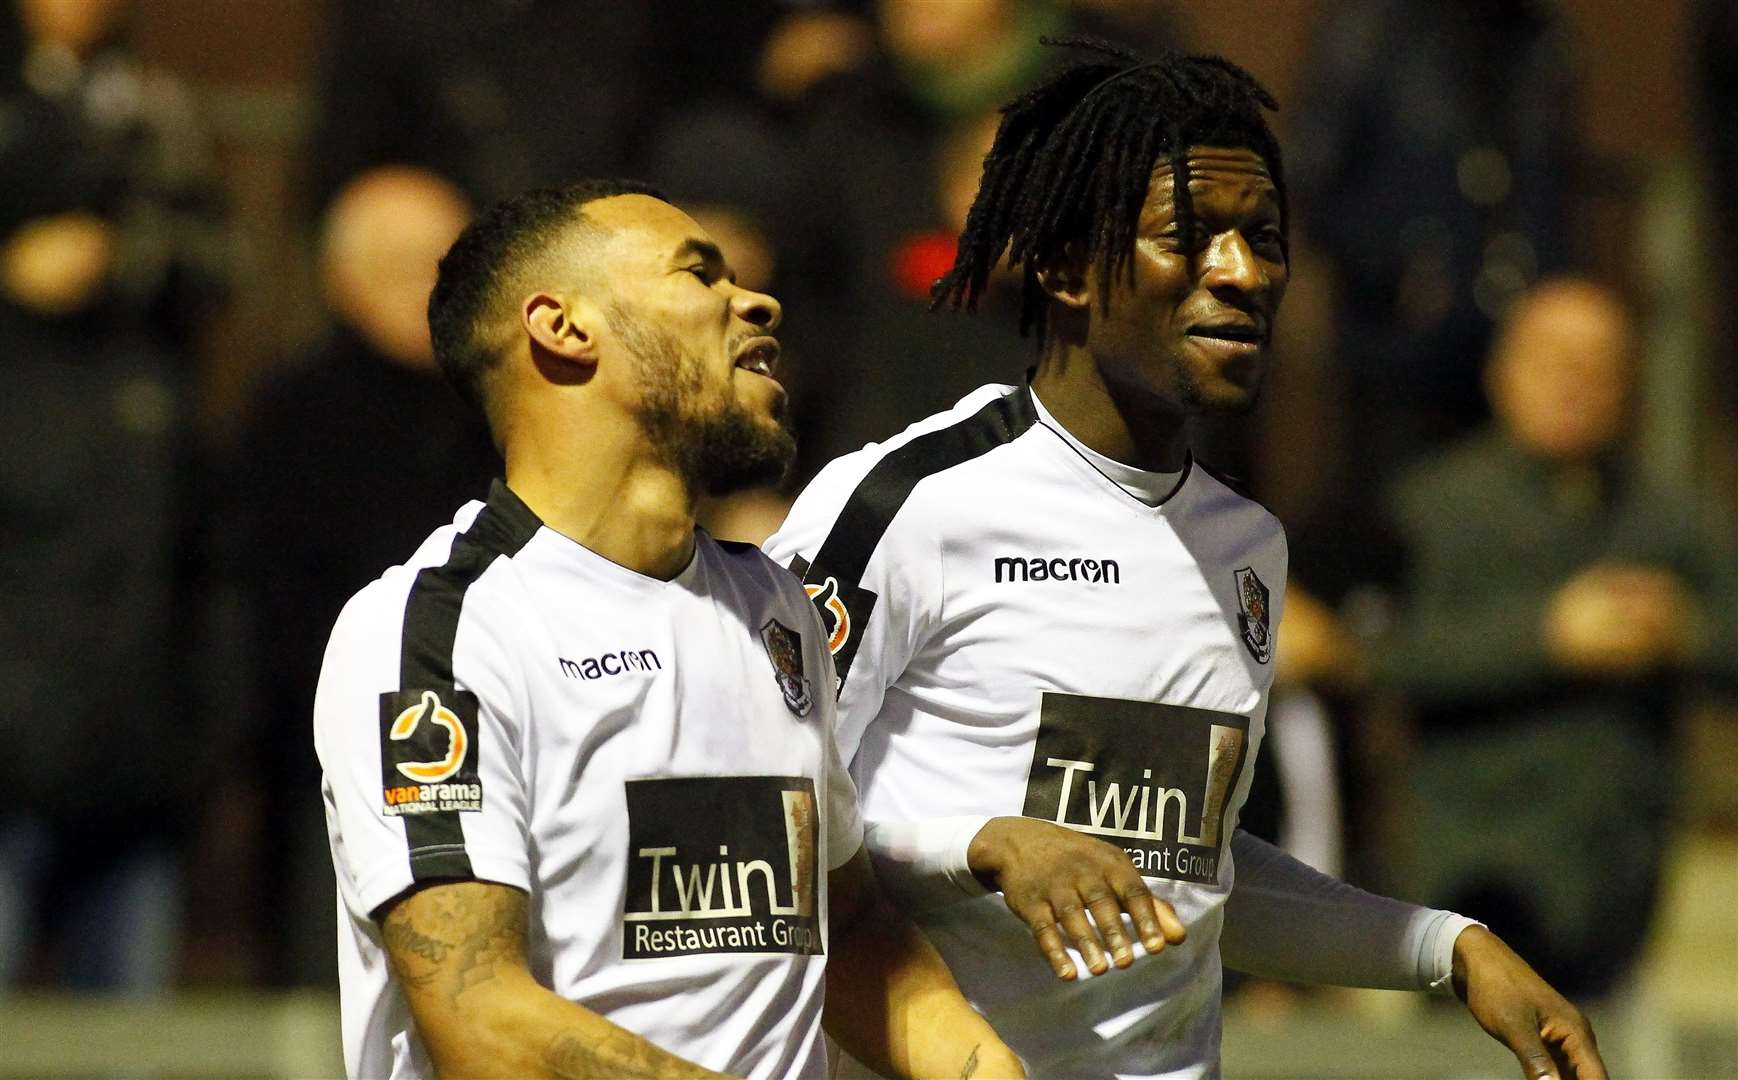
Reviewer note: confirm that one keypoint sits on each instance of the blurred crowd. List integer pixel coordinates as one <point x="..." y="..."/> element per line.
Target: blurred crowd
<point x="1504" y="464"/>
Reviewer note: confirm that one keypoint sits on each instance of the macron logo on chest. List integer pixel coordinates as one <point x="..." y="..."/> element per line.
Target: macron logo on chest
<point x="611" y="663"/>
<point x="1038" y="568"/>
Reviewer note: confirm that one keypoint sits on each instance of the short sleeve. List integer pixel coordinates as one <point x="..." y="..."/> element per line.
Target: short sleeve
<point x="423" y="775"/>
<point x="867" y="574"/>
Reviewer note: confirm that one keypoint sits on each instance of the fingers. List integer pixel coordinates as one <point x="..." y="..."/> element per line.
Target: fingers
<point x="1155" y="920"/>
<point x="1073" y="890"/>
<point x="1535" y="1060"/>
<point x="1172" y="926"/>
<point x="1072" y="914"/>
<point x="1574" y="1047"/>
<point x="1107" y="908"/>
<point x="1101" y="939"/>
<point x="1042" y="922"/>
<point x="1559" y="1048"/>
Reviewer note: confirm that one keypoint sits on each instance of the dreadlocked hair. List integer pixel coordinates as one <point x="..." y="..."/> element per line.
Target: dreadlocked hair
<point x="1073" y="158"/>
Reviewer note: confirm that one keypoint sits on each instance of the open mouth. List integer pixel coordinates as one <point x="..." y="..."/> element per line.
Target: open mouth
<point x="759" y="355"/>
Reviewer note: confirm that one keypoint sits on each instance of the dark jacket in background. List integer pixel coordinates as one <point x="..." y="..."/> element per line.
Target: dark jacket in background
<point x="1541" y="798"/>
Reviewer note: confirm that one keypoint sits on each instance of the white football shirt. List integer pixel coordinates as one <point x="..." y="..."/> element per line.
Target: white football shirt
<point x="1018" y="634"/>
<point x="650" y="761"/>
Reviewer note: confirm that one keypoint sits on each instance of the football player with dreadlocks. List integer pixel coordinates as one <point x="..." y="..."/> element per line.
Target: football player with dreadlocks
<point x="1053" y="627"/>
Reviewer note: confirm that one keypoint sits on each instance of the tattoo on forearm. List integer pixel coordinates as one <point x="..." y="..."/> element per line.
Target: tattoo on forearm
<point x="619" y="1054"/>
<point x="460" y="931"/>
<point x="455" y="937"/>
<point x="971" y="1068"/>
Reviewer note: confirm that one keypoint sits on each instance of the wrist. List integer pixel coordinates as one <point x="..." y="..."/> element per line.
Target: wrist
<point x="1468" y="944"/>
<point x="986" y="854"/>
<point x="924" y="863"/>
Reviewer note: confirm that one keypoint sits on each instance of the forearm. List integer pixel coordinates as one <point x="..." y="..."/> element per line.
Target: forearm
<point x="1285" y="920"/>
<point x="458" y="954"/>
<point x="515" y="1027"/>
<point x="893" y="1005"/>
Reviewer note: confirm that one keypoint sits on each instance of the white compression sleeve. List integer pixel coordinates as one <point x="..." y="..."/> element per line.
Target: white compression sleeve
<point x="923" y="863"/>
<point x="1285" y="920"/>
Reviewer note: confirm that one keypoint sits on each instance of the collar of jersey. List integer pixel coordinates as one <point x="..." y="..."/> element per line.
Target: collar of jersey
<point x="566" y="550"/>
<point x="1110" y="470"/>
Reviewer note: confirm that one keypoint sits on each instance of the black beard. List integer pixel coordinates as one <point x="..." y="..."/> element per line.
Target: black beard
<point x="717" y="452"/>
<point x="723" y="451"/>
<point x="1196" y="403"/>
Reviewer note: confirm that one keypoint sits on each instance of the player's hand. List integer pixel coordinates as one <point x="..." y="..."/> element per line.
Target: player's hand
<point x="1053" y="877"/>
<point x="1549" y="1036"/>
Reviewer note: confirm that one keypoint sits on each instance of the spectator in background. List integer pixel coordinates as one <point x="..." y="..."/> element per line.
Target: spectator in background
<point x="506" y="95"/>
<point x="891" y="156"/>
<point x="1434" y="166"/>
<point x="1556" y="599"/>
<point x="367" y="432"/>
<point x="109" y="248"/>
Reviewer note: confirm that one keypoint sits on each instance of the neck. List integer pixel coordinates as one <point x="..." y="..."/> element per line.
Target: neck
<point x="1114" y="422"/>
<point x="601" y="485"/>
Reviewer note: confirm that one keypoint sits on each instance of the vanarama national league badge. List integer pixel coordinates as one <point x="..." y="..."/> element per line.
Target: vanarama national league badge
<point x="1252" y="617"/>
<point x="428" y="752"/>
<point x="784" y="647"/>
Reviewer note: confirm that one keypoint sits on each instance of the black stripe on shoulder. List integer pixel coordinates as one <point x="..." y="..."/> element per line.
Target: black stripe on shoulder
<point x="871" y="508"/>
<point x="431" y="624"/>
<point x="431" y="617"/>
<point x="834" y="579"/>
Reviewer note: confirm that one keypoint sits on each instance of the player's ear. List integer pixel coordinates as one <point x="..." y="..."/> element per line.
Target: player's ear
<point x="1065" y="280"/>
<point x="561" y="328"/>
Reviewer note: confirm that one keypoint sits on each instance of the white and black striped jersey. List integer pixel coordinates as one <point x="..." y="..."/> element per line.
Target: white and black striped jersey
<point x="650" y="761"/>
<point x="1015" y="633"/>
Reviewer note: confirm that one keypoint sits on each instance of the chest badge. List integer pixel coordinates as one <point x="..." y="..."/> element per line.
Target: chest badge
<point x="1252" y="603"/>
<point x="784" y="647"/>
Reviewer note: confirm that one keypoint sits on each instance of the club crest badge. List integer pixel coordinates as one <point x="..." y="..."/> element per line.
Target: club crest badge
<point x="1252" y="615"/>
<point x="784" y="647"/>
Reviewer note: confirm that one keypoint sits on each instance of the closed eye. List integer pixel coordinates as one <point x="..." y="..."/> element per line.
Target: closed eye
<point x="711" y="278"/>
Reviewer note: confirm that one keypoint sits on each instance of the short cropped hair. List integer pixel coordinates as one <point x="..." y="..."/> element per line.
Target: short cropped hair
<point x="1074" y="157"/>
<point x="481" y="271"/>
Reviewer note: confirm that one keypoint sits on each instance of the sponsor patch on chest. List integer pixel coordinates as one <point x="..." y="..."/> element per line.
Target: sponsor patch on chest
<point x="721" y="864"/>
<point x="1155" y="779"/>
